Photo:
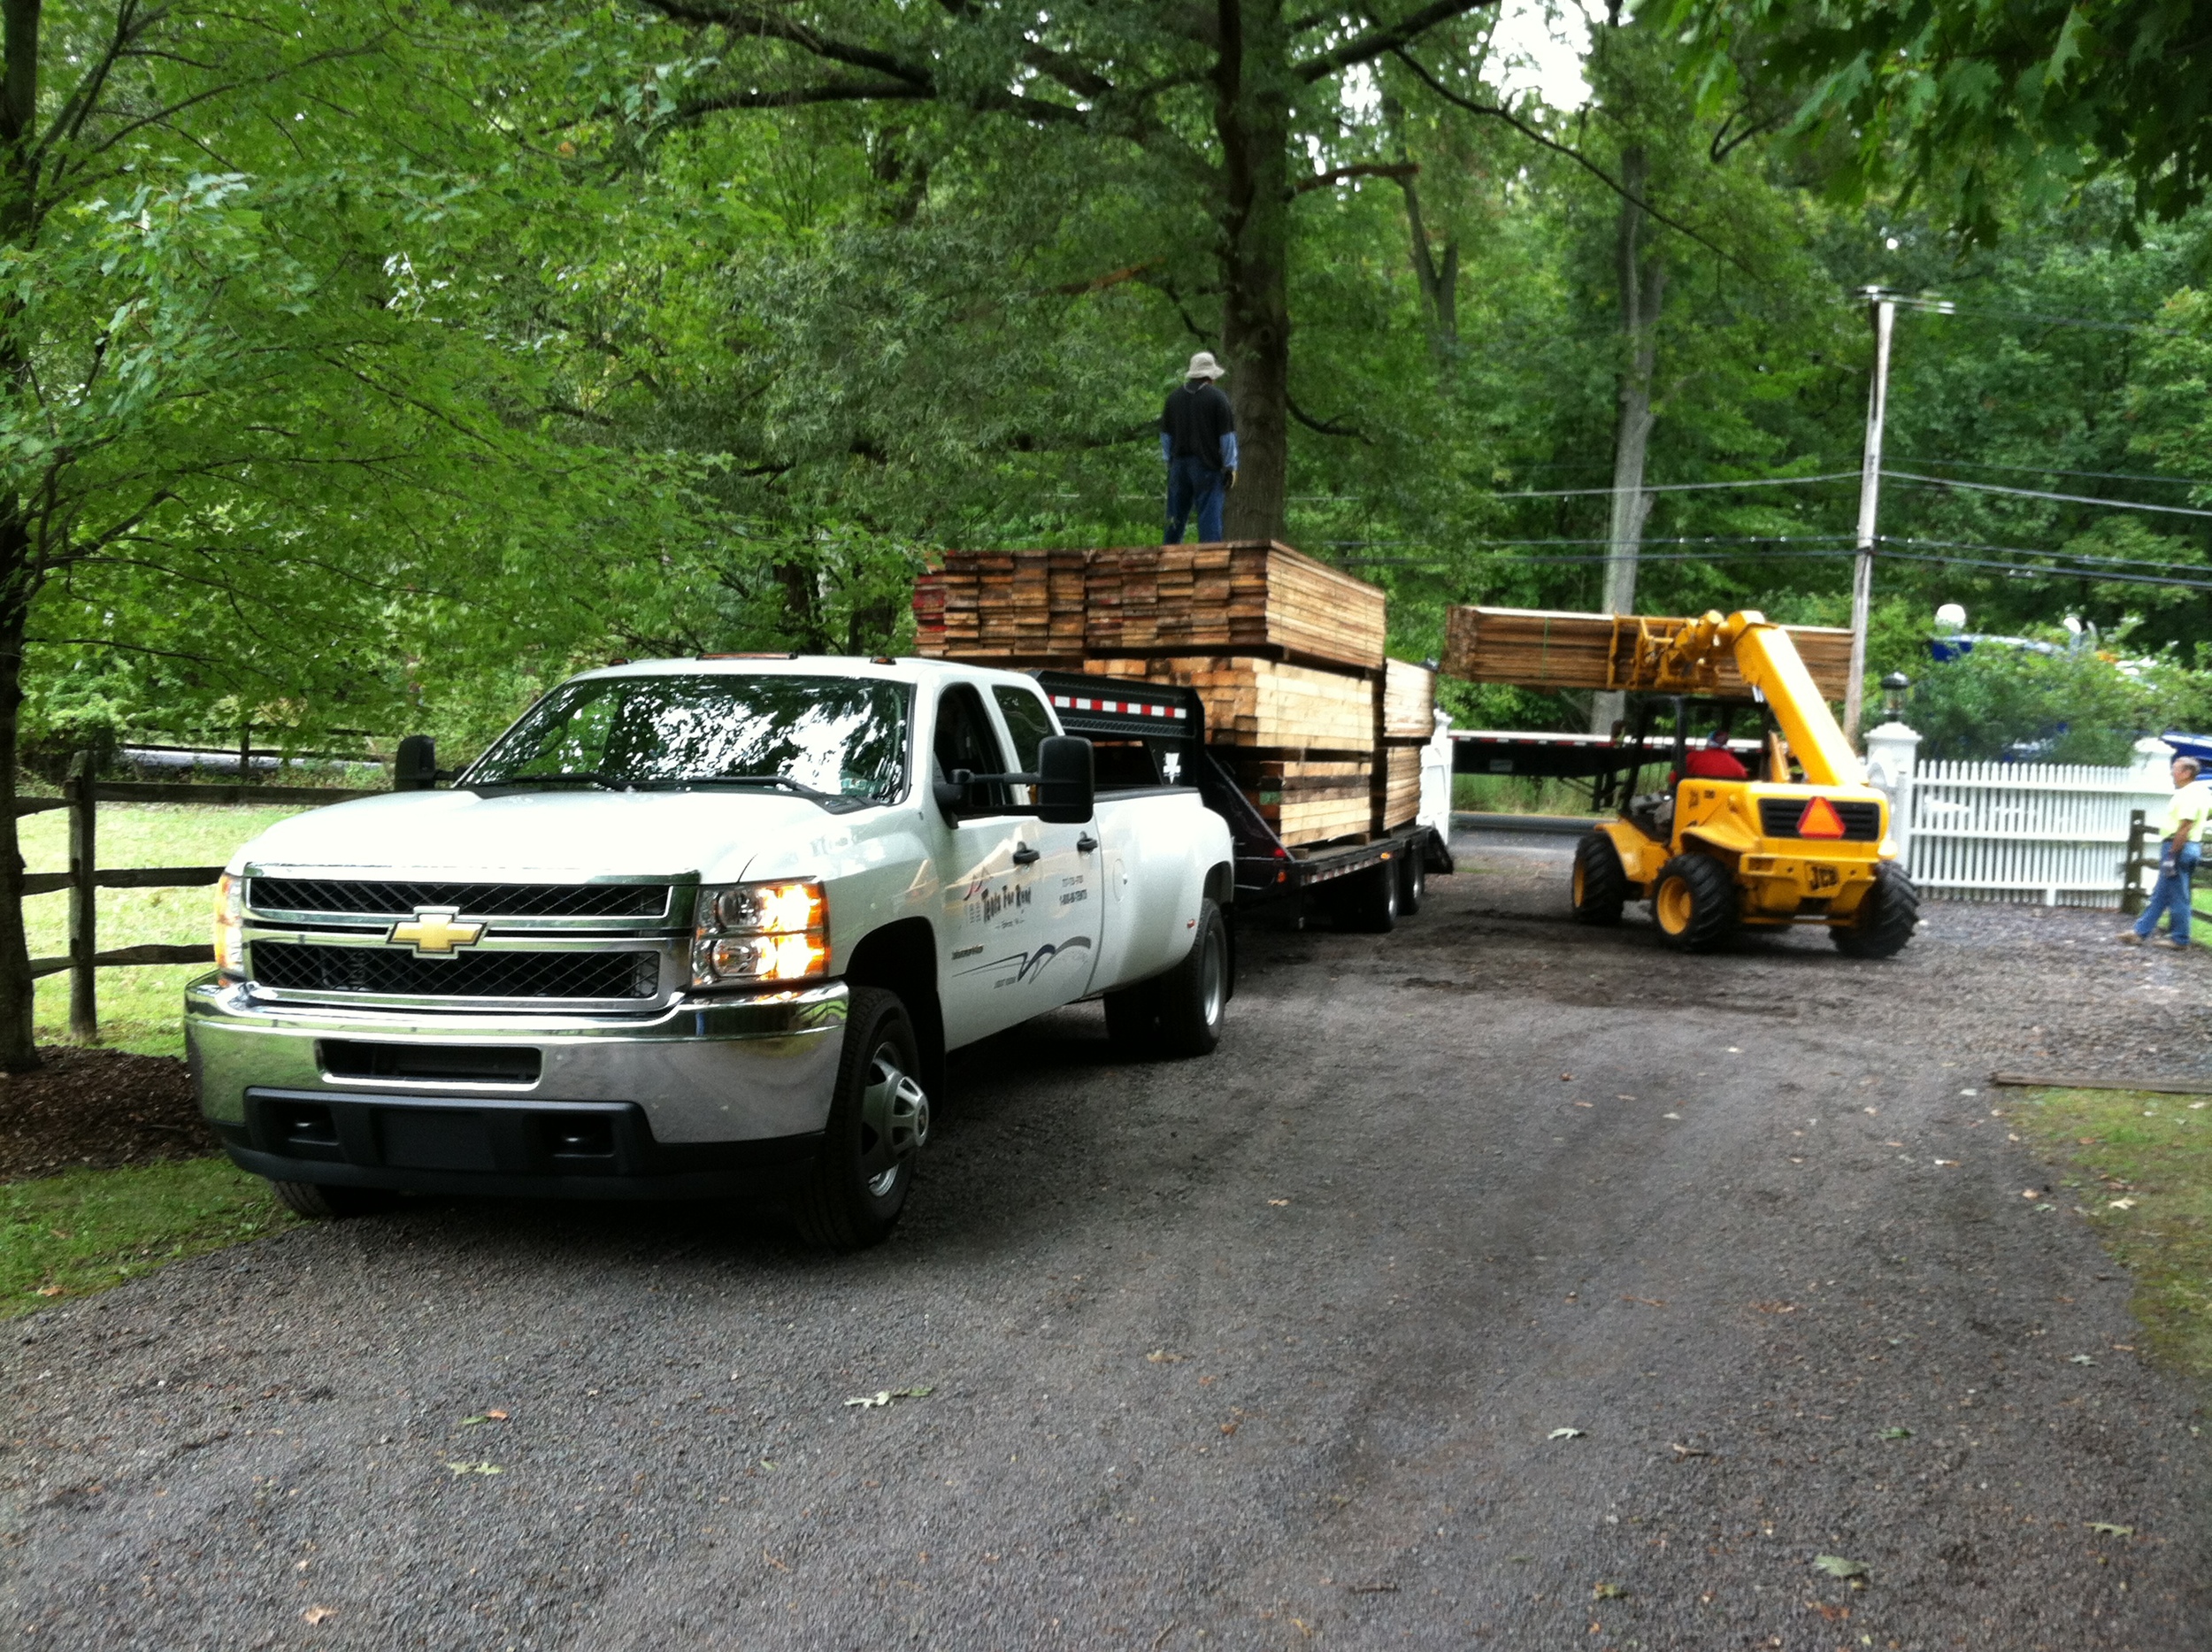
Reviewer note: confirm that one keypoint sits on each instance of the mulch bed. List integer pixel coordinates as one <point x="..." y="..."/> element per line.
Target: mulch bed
<point x="96" y="1109"/>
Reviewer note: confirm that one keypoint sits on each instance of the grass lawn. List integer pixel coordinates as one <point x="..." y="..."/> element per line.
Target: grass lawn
<point x="139" y="1006"/>
<point x="1520" y="794"/>
<point x="2141" y="1167"/>
<point x="72" y="1234"/>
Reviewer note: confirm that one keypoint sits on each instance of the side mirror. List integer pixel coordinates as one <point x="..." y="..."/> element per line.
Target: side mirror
<point x="1067" y="786"/>
<point x="952" y="795"/>
<point x="415" y="768"/>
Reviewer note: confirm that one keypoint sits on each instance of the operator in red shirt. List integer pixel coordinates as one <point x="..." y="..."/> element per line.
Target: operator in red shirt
<point x="1713" y="760"/>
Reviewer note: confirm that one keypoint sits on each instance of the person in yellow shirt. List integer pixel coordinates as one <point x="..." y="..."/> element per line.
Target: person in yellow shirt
<point x="2180" y="829"/>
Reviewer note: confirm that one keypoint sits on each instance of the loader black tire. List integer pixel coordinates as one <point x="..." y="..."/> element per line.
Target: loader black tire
<point x="1600" y="886"/>
<point x="1694" y="903"/>
<point x="1887" y="917"/>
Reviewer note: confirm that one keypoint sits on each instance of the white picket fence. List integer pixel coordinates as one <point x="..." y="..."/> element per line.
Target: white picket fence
<point x="2052" y="833"/>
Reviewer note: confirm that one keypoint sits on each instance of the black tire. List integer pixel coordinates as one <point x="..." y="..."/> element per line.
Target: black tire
<point x="1413" y="882"/>
<point x="1367" y="901"/>
<point x="1600" y="884"/>
<point x="1194" y="996"/>
<point x="1887" y="917"/>
<point x="1694" y="903"/>
<point x="1132" y="1018"/>
<point x="879" y="1122"/>
<point x="321" y="1201"/>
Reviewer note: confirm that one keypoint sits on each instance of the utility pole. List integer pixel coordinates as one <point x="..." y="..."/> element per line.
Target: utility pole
<point x="1885" y="315"/>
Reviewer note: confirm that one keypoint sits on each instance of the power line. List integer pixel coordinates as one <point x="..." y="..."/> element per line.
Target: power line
<point x="2037" y="493"/>
<point x="1672" y="487"/>
<point x="2053" y="470"/>
<point x="2067" y="555"/>
<point x="1711" y="539"/>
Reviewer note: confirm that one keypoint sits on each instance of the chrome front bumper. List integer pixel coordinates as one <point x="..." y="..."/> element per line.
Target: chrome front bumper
<point x="704" y="1070"/>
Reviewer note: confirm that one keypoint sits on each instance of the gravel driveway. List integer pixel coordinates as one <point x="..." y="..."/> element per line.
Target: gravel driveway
<point x="1272" y="1349"/>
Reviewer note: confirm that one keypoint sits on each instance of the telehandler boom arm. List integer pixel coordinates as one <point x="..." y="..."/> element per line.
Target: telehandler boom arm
<point x="1765" y="657"/>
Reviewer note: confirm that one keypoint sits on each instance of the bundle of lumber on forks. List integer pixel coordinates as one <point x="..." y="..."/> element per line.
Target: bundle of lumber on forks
<point x="1533" y="647"/>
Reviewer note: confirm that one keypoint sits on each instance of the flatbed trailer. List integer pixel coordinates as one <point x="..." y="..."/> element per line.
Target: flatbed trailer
<point x="1366" y="883"/>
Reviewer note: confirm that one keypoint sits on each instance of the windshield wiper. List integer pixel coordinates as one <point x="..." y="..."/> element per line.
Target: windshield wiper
<point x="781" y="782"/>
<point x="576" y="778"/>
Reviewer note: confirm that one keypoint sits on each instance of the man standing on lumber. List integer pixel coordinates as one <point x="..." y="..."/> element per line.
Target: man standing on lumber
<point x="1198" y="439"/>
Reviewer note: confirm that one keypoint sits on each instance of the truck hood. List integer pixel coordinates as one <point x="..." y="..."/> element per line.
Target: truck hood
<point x="465" y="836"/>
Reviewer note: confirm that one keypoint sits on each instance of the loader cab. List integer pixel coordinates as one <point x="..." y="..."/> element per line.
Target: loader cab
<point x="1662" y="732"/>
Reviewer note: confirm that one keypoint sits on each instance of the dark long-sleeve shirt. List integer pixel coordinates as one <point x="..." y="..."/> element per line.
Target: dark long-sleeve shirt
<point x="1198" y="423"/>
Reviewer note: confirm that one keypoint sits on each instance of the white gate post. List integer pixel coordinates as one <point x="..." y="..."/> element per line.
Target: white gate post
<point x="1891" y="755"/>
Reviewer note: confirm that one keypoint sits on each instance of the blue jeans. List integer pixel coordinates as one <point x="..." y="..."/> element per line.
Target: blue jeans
<point x="2171" y="895"/>
<point x="1193" y="484"/>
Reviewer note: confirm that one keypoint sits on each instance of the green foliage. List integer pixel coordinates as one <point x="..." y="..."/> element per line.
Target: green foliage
<point x="86" y="1230"/>
<point x="2074" y="706"/>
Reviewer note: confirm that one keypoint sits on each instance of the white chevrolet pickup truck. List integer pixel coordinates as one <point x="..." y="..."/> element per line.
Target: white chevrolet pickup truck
<point x="695" y="929"/>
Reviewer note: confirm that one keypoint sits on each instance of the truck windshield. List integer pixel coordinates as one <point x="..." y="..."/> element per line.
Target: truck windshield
<point x="841" y="741"/>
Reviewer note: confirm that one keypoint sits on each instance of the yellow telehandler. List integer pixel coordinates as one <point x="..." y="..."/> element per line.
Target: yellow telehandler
<point x="1714" y="854"/>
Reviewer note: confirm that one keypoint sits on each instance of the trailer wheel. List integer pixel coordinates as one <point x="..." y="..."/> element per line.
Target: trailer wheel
<point x="1413" y="882"/>
<point x="879" y="1121"/>
<point x="1368" y="901"/>
<point x="1601" y="885"/>
<point x="327" y="1201"/>
<point x="1194" y="996"/>
<point x="1887" y="917"/>
<point x="1694" y="903"/>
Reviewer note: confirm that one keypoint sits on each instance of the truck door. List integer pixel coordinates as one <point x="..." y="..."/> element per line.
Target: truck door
<point x="991" y="961"/>
<point x="1070" y="896"/>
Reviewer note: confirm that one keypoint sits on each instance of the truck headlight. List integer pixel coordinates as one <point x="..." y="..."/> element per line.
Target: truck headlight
<point x="748" y="933"/>
<point x="230" y="928"/>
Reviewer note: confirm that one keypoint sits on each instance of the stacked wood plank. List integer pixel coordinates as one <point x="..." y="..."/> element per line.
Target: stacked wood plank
<point x="1405" y="705"/>
<point x="1266" y="703"/>
<point x="1056" y="607"/>
<point x="1541" y="649"/>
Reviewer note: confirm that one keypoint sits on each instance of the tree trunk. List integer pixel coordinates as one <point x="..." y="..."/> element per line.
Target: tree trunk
<point x="18" y="122"/>
<point x="1643" y="282"/>
<point x="1252" y="95"/>
<point x="1439" y="279"/>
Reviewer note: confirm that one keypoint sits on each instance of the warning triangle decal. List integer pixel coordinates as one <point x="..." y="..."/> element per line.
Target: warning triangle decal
<point x="1820" y="819"/>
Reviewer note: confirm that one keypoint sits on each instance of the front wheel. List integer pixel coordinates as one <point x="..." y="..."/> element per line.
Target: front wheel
<point x="879" y="1122"/>
<point x="1194" y="996"/>
<point x="1601" y="883"/>
<point x="1694" y="903"/>
<point x="1888" y="914"/>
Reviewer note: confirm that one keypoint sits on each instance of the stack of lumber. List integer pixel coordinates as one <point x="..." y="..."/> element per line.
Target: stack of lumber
<point x="1405" y="705"/>
<point x="1540" y="649"/>
<point x="1286" y="652"/>
<point x="1039" y="607"/>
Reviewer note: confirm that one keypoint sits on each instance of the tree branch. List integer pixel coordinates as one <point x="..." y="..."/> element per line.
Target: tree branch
<point x="1386" y="38"/>
<point x="1366" y="169"/>
<point x="1538" y="137"/>
<point x="1326" y="427"/>
<point x="740" y="19"/>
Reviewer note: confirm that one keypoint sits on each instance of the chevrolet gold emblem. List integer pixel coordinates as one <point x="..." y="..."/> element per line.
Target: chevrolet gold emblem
<point x="433" y="932"/>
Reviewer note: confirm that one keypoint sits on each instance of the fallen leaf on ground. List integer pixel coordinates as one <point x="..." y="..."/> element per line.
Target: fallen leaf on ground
<point x="1688" y="1451"/>
<point x="319" y="1614"/>
<point x="1733" y="1051"/>
<point x="1775" y="1308"/>
<point x="1161" y="1356"/>
<point x="2082" y="1359"/>
<point x="2120" y="1204"/>
<point x="475" y="1468"/>
<point x="884" y="1397"/>
<point x="1648" y="1302"/>
<point x="46" y="1290"/>
<point x="1279" y="1202"/>
<point x="1608" y="1592"/>
<point x="1897" y="1433"/>
<point x="1564" y="1434"/>
<point x="1836" y="1566"/>
<point x="1566" y="1077"/>
<point x="2105" y="1528"/>
<point x="497" y="1417"/>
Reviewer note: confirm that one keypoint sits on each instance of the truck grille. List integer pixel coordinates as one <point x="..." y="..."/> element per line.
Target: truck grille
<point x="292" y="966"/>
<point x="1779" y="818"/>
<point x="474" y="900"/>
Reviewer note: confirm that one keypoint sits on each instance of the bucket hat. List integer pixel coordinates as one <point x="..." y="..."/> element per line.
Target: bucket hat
<point x="1203" y="365"/>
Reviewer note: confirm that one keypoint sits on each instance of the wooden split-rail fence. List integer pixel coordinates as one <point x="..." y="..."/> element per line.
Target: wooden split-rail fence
<point x="81" y="796"/>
